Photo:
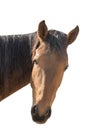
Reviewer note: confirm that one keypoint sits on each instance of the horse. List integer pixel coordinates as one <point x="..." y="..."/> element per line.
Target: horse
<point x="39" y="58"/>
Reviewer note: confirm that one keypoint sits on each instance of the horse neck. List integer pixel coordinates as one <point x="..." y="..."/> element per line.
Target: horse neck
<point x="15" y="63"/>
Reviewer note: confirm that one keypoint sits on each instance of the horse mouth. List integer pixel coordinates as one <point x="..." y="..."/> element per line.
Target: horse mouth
<point x="37" y="118"/>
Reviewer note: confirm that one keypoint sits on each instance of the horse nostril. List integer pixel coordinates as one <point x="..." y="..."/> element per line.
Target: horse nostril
<point x="48" y="113"/>
<point x="37" y="118"/>
<point x="34" y="110"/>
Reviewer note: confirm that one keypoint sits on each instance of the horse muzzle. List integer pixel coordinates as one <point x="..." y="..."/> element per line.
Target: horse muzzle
<point x="37" y="118"/>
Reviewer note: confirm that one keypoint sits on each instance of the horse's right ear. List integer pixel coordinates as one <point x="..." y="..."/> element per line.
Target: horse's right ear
<point x="42" y="30"/>
<point x="72" y="35"/>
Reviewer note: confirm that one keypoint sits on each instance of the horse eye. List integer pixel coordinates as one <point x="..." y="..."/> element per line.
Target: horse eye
<point x="35" y="62"/>
<point x="66" y="67"/>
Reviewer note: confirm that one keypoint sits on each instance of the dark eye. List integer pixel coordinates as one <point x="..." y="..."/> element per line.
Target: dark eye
<point x="66" y="68"/>
<point x="35" y="62"/>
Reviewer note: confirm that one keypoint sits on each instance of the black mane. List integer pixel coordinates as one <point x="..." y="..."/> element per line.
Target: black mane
<point x="15" y="62"/>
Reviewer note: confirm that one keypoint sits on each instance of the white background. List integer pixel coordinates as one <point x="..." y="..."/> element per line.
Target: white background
<point x="69" y="110"/>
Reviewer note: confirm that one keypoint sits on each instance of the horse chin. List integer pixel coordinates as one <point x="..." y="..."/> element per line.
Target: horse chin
<point x="37" y="118"/>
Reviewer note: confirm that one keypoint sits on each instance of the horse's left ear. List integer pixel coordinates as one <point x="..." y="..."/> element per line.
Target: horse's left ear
<point x="72" y="35"/>
<point x="42" y="30"/>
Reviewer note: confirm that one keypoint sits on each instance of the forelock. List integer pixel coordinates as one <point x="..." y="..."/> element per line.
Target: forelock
<point x="56" y="39"/>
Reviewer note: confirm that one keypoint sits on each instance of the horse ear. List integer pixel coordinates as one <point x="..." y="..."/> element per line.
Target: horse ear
<point x="42" y="30"/>
<point x="72" y="35"/>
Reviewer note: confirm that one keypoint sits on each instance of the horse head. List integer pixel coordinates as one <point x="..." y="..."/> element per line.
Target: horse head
<point x="50" y="60"/>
